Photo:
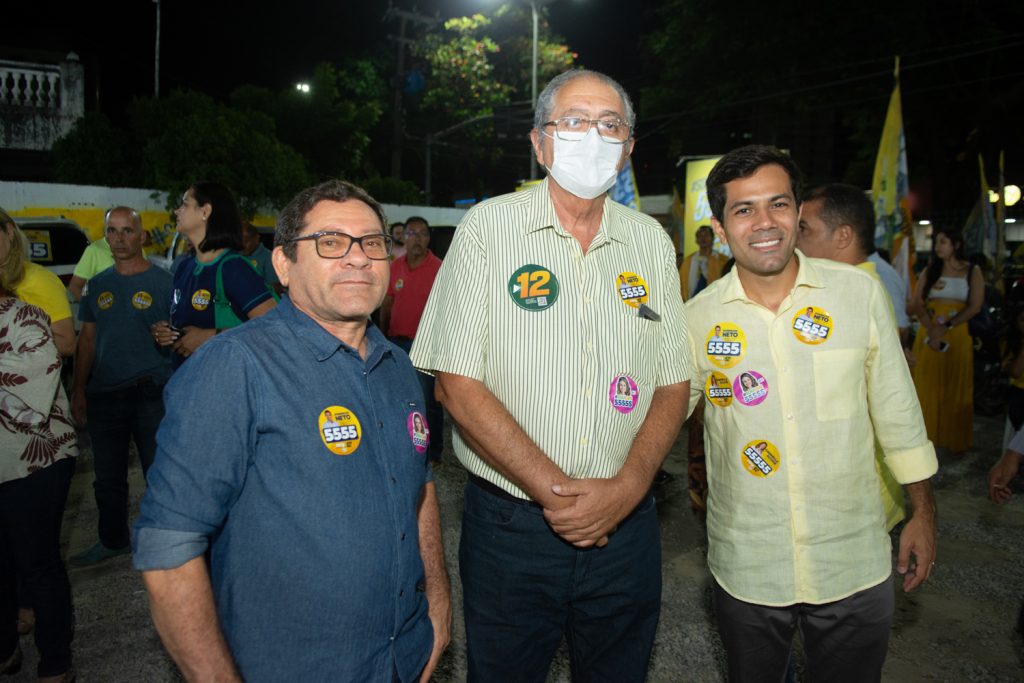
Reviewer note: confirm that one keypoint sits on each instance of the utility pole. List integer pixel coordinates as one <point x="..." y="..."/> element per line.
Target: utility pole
<point x="398" y="129"/>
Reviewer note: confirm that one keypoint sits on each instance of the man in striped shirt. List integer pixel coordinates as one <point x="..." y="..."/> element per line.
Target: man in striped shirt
<point x="552" y="305"/>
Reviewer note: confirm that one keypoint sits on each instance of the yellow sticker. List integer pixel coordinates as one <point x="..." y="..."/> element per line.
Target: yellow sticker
<point x="632" y="289"/>
<point x="201" y="299"/>
<point x="812" y="325"/>
<point x="718" y="390"/>
<point x="142" y="300"/>
<point x="761" y="458"/>
<point x="726" y="345"/>
<point x="340" y="430"/>
<point x="105" y="300"/>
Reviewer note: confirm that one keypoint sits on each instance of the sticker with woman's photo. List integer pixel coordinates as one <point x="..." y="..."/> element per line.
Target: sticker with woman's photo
<point x="750" y="388"/>
<point x="761" y="458"/>
<point x="419" y="432"/>
<point x="717" y="390"/>
<point x="623" y="393"/>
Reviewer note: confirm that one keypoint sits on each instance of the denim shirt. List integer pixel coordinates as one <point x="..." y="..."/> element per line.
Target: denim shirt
<point x="315" y="562"/>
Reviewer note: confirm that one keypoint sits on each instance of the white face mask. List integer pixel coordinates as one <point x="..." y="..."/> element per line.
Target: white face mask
<point x="587" y="167"/>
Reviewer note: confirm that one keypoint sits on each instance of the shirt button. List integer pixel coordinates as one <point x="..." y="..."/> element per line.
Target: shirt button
<point x="584" y="441"/>
<point x="393" y="480"/>
<point x="401" y="593"/>
<point x="789" y="416"/>
<point x="587" y="299"/>
<point x="380" y="424"/>
<point x="784" y="368"/>
<point x="589" y="392"/>
<point x="402" y="537"/>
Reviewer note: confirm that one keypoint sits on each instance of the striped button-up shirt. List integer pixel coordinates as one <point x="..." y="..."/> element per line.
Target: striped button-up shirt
<point x="796" y="398"/>
<point x="572" y="344"/>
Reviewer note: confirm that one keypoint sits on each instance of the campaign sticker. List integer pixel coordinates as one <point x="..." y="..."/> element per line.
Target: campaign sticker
<point x="142" y="300"/>
<point x="750" y="388"/>
<point x="632" y="289"/>
<point x="623" y="394"/>
<point x="340" y="430"/>
<point x="201" y="299"/>
<point x="812" y="325"/>
<point x="399" y="283"/>
<point x="717" y="390"/>
<point x="105" y="300"/>
<point x="726" y="344"/>
<point x="419" y="432"/>
<point x="761" y="458"/>
<point x="533" y="288"/>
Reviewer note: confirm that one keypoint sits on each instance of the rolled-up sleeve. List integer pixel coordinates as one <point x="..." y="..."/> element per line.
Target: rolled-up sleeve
<point x="892" y="401"/>
<point x="203" y="448"/>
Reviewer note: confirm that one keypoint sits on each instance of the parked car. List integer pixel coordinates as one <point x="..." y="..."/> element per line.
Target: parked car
<point x="54" y="243"/>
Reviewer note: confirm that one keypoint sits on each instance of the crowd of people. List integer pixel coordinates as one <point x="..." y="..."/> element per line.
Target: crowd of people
<point x="290" y="525"/>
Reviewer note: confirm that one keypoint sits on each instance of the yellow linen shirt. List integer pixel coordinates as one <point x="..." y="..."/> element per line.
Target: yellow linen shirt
<point x="550" y="331"/>
<point x="794" y="513"/>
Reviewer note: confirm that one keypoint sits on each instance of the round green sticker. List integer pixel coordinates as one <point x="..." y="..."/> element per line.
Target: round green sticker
<point x="533" y="287"/>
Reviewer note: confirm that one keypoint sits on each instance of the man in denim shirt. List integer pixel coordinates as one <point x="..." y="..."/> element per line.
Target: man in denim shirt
<point x="324" y="536"/>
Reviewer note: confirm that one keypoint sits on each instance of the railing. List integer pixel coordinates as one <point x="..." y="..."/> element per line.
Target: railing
<point x="30" y="85"/>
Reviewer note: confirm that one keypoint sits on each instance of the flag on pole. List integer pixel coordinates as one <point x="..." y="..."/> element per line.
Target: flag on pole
<point x="890" y="190"/>
<point x="624" y="191"/>
<point x="980" y="228"/>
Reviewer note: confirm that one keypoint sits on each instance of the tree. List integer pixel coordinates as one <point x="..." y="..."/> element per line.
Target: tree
<point x="94" y="152"/>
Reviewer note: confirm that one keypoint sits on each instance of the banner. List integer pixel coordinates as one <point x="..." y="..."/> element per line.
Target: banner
<point x="695" y="203"/>
<point x="890" y="190"/>
<point x="624" y="190"/>
<point x="980" y="228"/>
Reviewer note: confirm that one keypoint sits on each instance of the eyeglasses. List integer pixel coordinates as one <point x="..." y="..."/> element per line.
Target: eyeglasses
<point x="612" y="129"/>
<point x="331" y="244"/>
<point x="416" y="233"/>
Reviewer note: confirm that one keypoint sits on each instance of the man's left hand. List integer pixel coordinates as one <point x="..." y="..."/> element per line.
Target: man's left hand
<point x="917" y="551"/>
<point x="599" y="507"/>
<point x="441" y="620"/>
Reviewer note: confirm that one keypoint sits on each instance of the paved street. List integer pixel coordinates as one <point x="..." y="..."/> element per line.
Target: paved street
<point x="957" y="628"/>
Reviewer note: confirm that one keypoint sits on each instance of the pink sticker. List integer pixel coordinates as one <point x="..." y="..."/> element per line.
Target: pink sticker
<point x="623" y="394"/>
<point x="750" y="388"/>
<point x="419" y="432"/>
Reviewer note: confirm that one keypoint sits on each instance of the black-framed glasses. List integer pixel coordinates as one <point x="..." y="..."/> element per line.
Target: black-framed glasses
<point x="612" y="129"/>
<point x="333" y="244"/>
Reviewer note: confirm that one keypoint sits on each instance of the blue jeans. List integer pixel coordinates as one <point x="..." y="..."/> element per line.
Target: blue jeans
<point x="524" y="587"/>
<point x="115" y="418"/>
<point x="434" y="411"/>
<point x="31" y="513"/>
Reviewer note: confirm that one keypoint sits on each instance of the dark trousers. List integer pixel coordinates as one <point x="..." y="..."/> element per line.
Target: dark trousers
<point x="115" y="419"/>
<point x="31" y="512"/>
<point x="524" y="587"/>
<point x="846" y="640"/>
<point x="432" y="408"/>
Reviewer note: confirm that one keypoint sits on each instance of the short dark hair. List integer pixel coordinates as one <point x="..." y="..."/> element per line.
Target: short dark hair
<point x="843" y="204"/>
<point x="292" y="219"/>
<point x="224" y="226"/>
<point x="743" y="163"/>
<point x="419" y="219"/>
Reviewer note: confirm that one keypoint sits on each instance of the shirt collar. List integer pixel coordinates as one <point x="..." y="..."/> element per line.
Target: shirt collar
<point x="322" y="343"/>
<point x="541" y="215"/>
<point x="808" y="274"/>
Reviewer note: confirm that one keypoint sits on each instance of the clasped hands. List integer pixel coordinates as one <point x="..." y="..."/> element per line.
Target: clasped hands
<point x="585" y="512"/>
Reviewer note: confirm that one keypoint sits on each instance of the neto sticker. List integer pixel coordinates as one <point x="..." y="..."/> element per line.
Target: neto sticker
<point x="761" y="458"/>
<point x="105" y="300"/>
<point x="717" y="390"/>
<point x="725" y="345"/>
<point x="533" y="287"/>
<point x="632" y="289"/>
<point x="340" y="430"/>
<point x="623" y="394"/>
<point x="142" y="300"/>
<point x="201" y="299"/>
<point x="750" y="388"/>
<point x="419" y="432"/>
<point x="399" y="283"/>
<point x="812" y="325"/>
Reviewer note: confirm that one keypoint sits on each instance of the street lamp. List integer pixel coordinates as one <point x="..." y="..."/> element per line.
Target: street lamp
<point x="302" y="87"/>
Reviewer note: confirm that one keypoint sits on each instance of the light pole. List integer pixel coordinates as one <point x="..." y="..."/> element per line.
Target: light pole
<point x="156" y="59"/>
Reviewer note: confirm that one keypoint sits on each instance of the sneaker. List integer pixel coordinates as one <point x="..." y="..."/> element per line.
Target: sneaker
<point x="96" y="554"/>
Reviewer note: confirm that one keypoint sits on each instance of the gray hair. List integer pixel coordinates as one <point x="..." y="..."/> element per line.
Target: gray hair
<point x="546" y="100"/>
<point x="292" y="218"/>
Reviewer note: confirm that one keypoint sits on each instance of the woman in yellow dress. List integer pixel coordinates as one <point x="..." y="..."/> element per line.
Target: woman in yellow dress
<point x="948" y="294"/>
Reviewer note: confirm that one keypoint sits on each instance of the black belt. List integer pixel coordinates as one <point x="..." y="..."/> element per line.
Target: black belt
<point x="496" y="490"/>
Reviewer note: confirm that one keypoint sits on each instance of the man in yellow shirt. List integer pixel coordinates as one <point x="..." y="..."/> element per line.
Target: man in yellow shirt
<point x="797" y="533"/>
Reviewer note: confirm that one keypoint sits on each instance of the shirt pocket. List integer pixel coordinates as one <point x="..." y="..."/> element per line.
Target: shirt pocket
<point x="839" y="386"/>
